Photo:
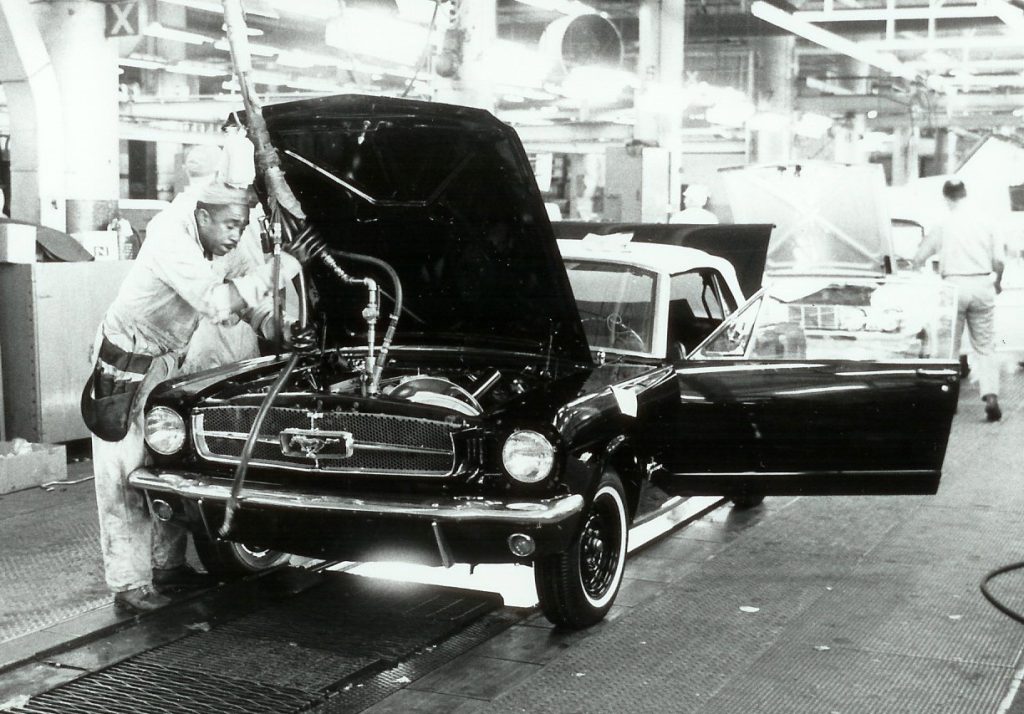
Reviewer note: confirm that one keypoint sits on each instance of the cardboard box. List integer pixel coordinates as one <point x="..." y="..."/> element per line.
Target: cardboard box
<point x="44" y="463"/>
<point x="17" y="243"/>
<point x="102" y="245"/>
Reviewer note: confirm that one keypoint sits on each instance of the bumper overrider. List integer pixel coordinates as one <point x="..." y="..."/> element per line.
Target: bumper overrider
<point x="431" y="528"/>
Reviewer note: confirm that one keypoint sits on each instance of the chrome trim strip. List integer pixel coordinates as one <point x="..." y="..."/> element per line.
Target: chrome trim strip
<point x="442" y="509"/>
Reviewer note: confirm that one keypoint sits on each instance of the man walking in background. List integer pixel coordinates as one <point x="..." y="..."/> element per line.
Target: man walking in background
<point x="969" y="254"/>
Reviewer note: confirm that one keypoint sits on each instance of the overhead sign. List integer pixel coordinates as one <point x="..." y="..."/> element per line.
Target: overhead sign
<point x="122" y="18"/>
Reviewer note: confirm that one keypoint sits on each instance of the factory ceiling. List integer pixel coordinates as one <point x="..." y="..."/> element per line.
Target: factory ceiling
<point x="899" y="63"/>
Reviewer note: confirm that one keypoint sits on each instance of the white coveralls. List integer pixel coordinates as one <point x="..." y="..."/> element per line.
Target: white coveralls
<point x="968" y="249"/>
<point x="168" y="289"/>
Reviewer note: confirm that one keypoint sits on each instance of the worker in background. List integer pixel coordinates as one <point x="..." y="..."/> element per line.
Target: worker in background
<point x="141" y="342"/>
<point x="695" y="198"/>
<point x="3" y="200"/>
<point x="969" y="255"/>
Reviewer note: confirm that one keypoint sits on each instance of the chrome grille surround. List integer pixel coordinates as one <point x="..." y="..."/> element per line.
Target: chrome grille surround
<point x="330" y="442"/>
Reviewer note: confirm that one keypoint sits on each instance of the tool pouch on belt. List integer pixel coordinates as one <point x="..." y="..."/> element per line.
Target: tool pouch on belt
<point x="109" y="395"/>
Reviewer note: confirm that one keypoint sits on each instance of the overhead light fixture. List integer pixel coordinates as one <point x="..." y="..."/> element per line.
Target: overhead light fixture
<point x="251" y="7"/>
<point x="300" y="59"/>
<point x="317" y="9"/>
<point x="141" y="63"/>
<point x="359" y="31"/>
<point x="254" y="48"/>
<point x="1009" y="13"/>
<point x="197" y="69"/>
<point x="829" y="40"/>
<point x="155" y="29"/>
<point x="566" y="7"/>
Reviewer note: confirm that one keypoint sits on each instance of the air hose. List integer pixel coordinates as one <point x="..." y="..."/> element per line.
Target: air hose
<point x="396" y="311"/>
<point x="1012" y="614"/>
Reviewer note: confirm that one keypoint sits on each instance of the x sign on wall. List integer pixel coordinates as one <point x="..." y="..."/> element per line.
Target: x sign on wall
<point x="122" y="18"/>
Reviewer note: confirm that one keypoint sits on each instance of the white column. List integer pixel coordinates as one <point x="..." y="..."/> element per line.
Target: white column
<point x="774" y="90"/>
<point x="86" y="66"/>
<point x="33" y="100"/>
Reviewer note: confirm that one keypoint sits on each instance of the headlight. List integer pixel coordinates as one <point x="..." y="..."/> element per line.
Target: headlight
<point x="528" y="456"/>
<point x="165" y="430"/>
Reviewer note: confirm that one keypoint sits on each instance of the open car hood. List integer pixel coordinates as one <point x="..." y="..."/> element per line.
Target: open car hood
<point x="445" y="195"/>
<point x="829" y="218"/>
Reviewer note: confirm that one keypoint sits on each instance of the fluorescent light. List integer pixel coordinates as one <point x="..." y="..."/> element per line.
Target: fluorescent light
<point x="141" y="63"/>
<point x="318" y="9"/>
<point x="1010" y="14"/>
<point x="887" y="63"/>
<point x="155" y="29"/>
<point x="197" y="69"/>
<point x="360" y="31"/>
<point x="251" y="8"/>
<point x="301" y="59"/>
<point x="507" y="62"/>
<point x="566" y="7"/>
<point x="254" y="48"/>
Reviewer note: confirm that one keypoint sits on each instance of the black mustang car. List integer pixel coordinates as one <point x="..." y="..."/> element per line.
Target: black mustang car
<point x="485" y="428"/>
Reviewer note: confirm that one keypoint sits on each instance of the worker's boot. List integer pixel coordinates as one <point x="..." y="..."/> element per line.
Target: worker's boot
<point x="182" y="577"/>
<point x="139" y="600"/>
<point x="992" y="410"/>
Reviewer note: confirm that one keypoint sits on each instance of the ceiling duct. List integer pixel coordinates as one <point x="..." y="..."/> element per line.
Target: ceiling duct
<point x="589" y="40"/>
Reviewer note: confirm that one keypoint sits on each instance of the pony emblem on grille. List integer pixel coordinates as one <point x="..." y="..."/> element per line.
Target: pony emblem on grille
<point x="316" y="443"/>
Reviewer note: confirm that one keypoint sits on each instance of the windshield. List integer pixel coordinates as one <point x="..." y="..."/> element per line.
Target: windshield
<point x="616" y="304"/>
<point x="820" y="318"/>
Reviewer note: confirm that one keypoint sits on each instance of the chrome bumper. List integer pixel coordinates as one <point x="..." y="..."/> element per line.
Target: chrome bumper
<point x="452" y="509"/>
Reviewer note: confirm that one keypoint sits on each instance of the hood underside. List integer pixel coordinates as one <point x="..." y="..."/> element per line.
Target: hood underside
<point x="444" y="195"/>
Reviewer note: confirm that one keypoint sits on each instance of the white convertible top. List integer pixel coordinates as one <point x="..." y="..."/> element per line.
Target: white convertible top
<point x="656" y="257"/>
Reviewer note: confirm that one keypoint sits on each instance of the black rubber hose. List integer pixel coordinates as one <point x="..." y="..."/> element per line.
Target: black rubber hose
<point x="1012" y="614"/>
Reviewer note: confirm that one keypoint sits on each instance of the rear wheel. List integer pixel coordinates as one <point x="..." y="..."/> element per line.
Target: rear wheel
<point x="229" y="559"/>
<point x="576" y="588"/>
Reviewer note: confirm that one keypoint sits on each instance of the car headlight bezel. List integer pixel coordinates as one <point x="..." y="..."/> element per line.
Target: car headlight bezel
<point x="164" y="430"/>
<point x="528" y="456"/>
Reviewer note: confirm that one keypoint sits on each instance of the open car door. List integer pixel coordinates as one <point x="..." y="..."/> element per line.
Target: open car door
<point x="829" y="385"/>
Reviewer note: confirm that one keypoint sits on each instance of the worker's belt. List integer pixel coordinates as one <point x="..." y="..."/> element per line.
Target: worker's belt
<point x="964" y="275"/>
<point x="109" y="396"/>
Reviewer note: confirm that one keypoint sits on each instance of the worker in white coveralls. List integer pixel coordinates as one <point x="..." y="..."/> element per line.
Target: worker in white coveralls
<point x="173" y="283"/>
<point x="218" y="343"/>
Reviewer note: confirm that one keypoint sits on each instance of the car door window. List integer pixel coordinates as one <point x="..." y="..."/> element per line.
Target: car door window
<point x="695" y="309"/>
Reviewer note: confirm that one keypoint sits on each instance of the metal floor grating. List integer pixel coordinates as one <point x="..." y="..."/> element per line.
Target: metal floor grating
<point x="289" y="657"/>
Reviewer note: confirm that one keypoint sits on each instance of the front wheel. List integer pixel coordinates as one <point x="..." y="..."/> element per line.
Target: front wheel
<point x="576" y="588"/>
<point x="235" y="560"/>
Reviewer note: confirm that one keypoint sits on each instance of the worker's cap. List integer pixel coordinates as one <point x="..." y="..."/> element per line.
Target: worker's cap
<point x="219" y="193"/>
<point x="954" y="189"/>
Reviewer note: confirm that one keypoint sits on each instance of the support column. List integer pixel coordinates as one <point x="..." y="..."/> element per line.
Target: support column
<point x="904" y="155"/>
<point x="170" y="178"/>
<point x="86" y="66"/>
<point x="945" y="151"/>
<point x="775" y="94"/>
<point x="33" y="100"/>
<point x="660" y="102"/>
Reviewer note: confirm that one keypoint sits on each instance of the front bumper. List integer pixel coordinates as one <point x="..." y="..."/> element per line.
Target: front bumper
<point x="470" y="529"/>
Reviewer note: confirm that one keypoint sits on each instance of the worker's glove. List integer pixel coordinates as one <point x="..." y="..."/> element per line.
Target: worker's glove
<point x="301" y="339"/>
<point x="307" y="245"/>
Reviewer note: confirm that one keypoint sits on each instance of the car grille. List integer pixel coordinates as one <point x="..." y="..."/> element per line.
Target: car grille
<point x="336" y="442"/>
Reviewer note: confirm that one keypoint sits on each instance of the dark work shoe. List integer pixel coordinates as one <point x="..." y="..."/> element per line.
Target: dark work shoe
<point x="183" y="577"/>
<point x="139" y="600"/>
<point x="992" y="410"/>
